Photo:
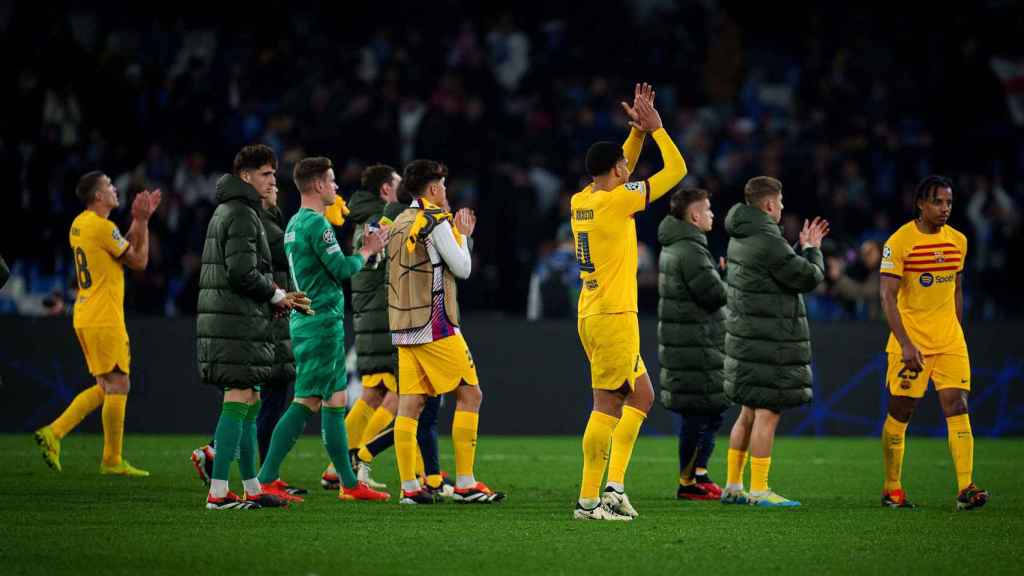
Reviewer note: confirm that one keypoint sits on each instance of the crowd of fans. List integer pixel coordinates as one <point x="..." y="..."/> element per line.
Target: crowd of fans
<point x="847" y="108"/>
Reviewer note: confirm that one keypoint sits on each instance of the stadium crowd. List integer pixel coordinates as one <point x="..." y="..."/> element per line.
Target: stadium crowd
<point x="847" y="110"/>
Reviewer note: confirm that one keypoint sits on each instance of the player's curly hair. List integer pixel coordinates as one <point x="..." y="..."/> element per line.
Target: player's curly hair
<point x="420" y="173"/>
<point x="253" y="157"/>
<point x="927" y="188"/>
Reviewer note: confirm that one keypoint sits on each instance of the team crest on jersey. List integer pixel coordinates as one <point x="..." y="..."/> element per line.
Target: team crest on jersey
<point x="328" y="237"/>
<point x="939" y="257"/>
<point x="634" y="186"/>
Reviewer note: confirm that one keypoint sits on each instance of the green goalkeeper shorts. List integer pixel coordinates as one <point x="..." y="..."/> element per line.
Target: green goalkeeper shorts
<point x="319" y="364"/>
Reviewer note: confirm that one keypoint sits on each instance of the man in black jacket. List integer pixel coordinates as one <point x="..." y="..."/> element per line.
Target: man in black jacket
<point x="691" y="337"/>
<point x="767" y="340"/>
<point x="237" y="298"/>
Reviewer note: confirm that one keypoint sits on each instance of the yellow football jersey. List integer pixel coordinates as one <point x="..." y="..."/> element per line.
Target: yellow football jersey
<point x="927" y="266"/>
<point x="96" y="245"/>
<point x="606" y="247"/>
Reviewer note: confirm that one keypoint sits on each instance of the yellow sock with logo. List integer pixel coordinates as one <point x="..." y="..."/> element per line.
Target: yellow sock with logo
<point x="84" y="404"/>
<point x="759" y="473"/>
<point x="596" y="440"/>
<point x="894" y="435"/>
<point x="113" y="427"/>
<point x="464" y="429"/>
<point x="405" y="451"/>
<point x="961" y="447"/>
<point x="736" y="462"/>
<point x="356" y="423"/>
<point x="623" y="440"/>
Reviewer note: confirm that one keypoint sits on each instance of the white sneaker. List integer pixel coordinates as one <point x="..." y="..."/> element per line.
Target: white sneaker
<point x="363" y="475"/>
<point x="618" y="502"/>
<point x="599" y="512"/>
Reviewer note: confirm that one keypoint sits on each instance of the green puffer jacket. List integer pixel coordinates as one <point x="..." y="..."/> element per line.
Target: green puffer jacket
<point x="374" y="351"/>
<point x="767" y="341"/>
<point x="691" y="324"/>
<point x="236" y="348"/>
<point x="284" y="362"/>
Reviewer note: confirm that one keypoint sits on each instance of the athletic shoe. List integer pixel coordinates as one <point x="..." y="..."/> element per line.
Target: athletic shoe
<point x="618" y="502"/>
<point x="734" y="497"/>
<point x="329" y="480"/>
<point x="478" y="493"/>
<point x="266" y="500"/>
<point x="445" y="490"/>
<point x="288" y="488"/>
<point x="709" y="486"/>
<point x="202" y="461"/>
<point x="123" y="469"/>
<point x="271" y="489"/>
<point x="230" y="502"/>
<point x="971" y="497"/>
<point x="362" y="492"/>
<point x="418" y="497"/>
<point x="49" y="446"/>
<point x="363" y="475"/>
<point x="896" y="499"/>
<point x="599" y="512"/>
<point x="694" y="492"/>
<point x="770" y="499"/>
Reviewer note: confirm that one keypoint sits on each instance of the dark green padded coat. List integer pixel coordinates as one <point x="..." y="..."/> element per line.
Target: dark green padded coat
<point x="767" y="341"/>
<point x="374" y="351"/>
<point x="235" y="346"/>
<point x="284" y="363"/>
<point x="691" y="322"/>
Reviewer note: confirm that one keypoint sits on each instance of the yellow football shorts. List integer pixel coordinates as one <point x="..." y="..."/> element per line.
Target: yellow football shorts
<point x="612" y="344"/>
<point x="386" y="379"/>
<point x="435" y="368"/>
<point x="944" y="371"/>
<point x="105" y="349"/>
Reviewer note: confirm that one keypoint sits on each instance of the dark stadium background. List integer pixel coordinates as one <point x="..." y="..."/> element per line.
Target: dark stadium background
<point x="849" y="104"/>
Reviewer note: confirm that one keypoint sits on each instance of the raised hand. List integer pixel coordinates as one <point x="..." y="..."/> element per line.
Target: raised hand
<point x="634" y="116"/>
<point x="813" y="232"/>
<point x="648" y="118"/>
<point x="374" y="241"/>
<point x="145" y="204"/>
<point x="465" y="221"/>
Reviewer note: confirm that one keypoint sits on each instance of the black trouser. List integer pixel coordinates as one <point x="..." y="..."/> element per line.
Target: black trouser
<point x="696" y="441"/>
<point x="274" y="401"/>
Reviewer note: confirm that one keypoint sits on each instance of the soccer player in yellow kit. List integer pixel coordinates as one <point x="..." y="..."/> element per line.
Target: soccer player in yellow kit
<point x="922" y="296"/>
<point x="100" y="254"/>
<point x="606" y="249"/>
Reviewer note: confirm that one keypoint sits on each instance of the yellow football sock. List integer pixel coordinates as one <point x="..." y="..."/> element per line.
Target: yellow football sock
<point x="623" y="440"/>
<point x="736" y="462"/>
<point x="87" y="400"/>
<point x="376" y="424"/>
<point x="961" y="447"/>
<point x="356" y="423"/>
<point x="894" y="435"/>
<point x="405" y="447"/>
<point x="113" y="427"/>
<point x="464" y="427"/>
<point x="759" y="473"/>
<point x="596" y="440"/>
<point x="421" y="469"/>
<point x="435" y="480"/>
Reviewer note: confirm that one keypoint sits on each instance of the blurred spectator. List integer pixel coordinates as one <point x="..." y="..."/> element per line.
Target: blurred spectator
<point x="857" y="286"/>
<point x="555" y="282"/>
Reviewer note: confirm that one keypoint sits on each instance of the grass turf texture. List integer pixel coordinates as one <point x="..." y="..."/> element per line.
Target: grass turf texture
<point x="81" y="522"/>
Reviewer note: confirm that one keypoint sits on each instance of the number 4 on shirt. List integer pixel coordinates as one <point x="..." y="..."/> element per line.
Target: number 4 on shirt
<point x="583" y="252"/>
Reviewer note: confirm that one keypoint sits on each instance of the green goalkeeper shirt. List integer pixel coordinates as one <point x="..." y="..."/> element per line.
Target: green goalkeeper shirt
<point x="317" y="266"/>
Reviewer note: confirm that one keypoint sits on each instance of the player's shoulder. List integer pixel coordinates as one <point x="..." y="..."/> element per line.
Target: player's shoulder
<point x="958" y="237"/>
<point x="902" y="236"/>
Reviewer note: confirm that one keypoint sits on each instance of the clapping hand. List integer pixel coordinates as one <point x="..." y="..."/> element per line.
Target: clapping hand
<point x="145" y="204"/>
<point x="813" y="232"/>
<point x="374" y="241"/>
<point x="642" y="114"/>
<point x="465" y="221"/>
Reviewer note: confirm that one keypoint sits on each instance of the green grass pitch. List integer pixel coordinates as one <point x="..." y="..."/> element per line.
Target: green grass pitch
<point x="81" y="522"/>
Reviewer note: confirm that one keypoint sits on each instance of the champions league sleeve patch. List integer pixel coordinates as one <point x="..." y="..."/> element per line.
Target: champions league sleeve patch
<point x="328" y="237"/>
<point x="634" y="186"/>
<point x="116" y="234"/>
